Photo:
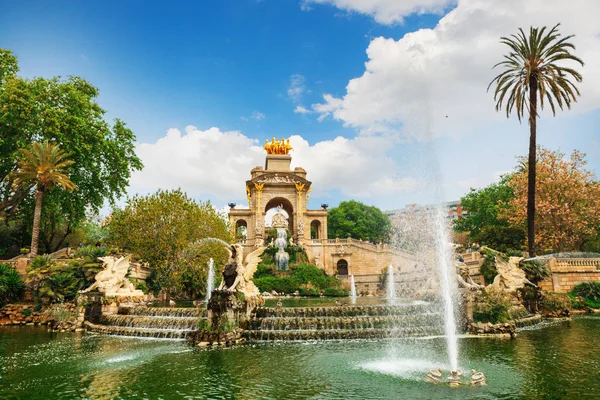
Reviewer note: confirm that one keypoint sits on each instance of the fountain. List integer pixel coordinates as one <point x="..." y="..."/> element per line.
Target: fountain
<point x="210" y="280"/>
<point x="448" y="286"/>
<point x="282" y="258"/>
<point x="352" y="290"/>
<point x="391" y="286"/>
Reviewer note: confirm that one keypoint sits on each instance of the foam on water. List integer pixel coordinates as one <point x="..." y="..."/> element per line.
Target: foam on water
<point x="407" y="368"/>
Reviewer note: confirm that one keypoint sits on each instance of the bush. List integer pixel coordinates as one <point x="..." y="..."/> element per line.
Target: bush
<point x="488" y="268"/>
<point x="493" y="306"/>
<point x="556" y="302"/>
<point x="535" y="270"/>
<point x="91" y="253"/>
<point x="336" y="292"/>
<point x="11" y="284"/>
<point x="307" y="279"/>
<point x="53" y="282"/>
<point x="588" y="290"/>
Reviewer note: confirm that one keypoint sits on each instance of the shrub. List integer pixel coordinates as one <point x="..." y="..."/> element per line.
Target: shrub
<point x="556" y="302"/>
<point x="11" y="284"/>
<point x="91" y="253"/>
<point x="488" y="268"/>
<point x="59" y="313"/>
<point x="535" y="270"/>
<point x="263" y="270"/>
<point x="493" y="306"/>
<point x="588" y="290"/>
<point x="26" y="312"/>
<point x="280" y="285"/>
<point x="336" y="292"/>
<point x="53" y="282"/>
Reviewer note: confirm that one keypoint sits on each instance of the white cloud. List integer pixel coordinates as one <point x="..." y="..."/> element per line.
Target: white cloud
<point x="384" y="11"/>
<point x="258" y="115"/>
<point x="301" y="110"/>
<point x="433" y="81"/>
<point x="213" y="164"/>
<point x="297" y="88"/>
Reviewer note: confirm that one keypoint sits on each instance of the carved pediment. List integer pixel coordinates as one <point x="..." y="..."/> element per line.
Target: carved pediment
<point x="279" y="177"/>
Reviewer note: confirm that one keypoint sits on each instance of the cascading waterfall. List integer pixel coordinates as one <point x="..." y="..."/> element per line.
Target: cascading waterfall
<point x="391" y="285"/>
<point x="352" y="290"/>
<point x="448" y="285"/>
<point x="282" y="258"/>
<point x="210" y="280"/>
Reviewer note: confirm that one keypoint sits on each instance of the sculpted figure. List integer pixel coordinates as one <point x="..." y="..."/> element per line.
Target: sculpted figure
<point x="510" y="277"/>
<point x="237" y="275"/>
<point x="112" y="281"/>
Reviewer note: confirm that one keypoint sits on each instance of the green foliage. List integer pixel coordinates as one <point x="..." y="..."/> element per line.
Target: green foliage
<point x="34" y="110"/>
<point x="59" y="313"/>
<point x="359" y="221"/>
<point x="535" y="270"/>
<point x="588" y="290"/>
<point x="556" y="302"/>
<point x="483" y="222"/>
<point x="336" y="292"/>
<point x="307" y="279"/>
<point x="90" y="253"/>
<point x="26" y="312"/>
<point x="492" y="306"/>
<point x="11" y="284"/>
<point x="53" y="282"/>
<point x="488" y="268"/>
<point x="165" y="230"/>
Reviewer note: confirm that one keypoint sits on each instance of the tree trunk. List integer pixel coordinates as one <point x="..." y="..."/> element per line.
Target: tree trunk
<point x="35" y="233"/>
<point x="532" y="166"/>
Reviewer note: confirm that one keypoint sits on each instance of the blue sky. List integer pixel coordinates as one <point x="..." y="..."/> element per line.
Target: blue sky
<point x="251" y="69"/>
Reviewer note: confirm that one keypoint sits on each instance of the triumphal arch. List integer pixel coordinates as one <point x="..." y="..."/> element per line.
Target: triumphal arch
<point x="278" y="186"/>
<point x="276" y="189"/>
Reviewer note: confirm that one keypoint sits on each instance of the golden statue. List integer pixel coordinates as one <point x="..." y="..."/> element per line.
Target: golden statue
<point x="277" y="147"/>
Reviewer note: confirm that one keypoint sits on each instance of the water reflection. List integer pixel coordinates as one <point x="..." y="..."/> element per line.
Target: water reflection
<point x="558" y="361"/>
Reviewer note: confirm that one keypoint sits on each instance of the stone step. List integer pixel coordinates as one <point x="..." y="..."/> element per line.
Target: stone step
<point x="353" y="322"/>
<point x="143" y="321"/>
<point x="140" y="332"/>
<point x="343" y="311"/>
<point x="162" y="311"/>
<point x="342" y="334"/>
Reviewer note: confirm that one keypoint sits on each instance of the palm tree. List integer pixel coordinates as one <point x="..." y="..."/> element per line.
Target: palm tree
<point x="532" y="67"/>
<point x="42" y="166"/>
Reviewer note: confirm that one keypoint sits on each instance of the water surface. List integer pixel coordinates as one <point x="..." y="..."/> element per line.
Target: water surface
<point x="559" y="361"/>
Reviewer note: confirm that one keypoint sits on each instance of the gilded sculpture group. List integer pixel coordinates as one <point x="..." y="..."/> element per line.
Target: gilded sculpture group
<point x="278" y="147"/>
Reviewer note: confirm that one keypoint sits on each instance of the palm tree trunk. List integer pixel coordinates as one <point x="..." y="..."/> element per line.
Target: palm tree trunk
<point x="37" y="214"/>
<point x="532" y="166"/>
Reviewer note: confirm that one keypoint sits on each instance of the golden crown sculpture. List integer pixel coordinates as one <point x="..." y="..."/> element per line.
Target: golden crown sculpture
<point x="277" y="147"/>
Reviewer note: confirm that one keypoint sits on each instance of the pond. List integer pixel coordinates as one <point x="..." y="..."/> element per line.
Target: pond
<point x="557" y="361"/>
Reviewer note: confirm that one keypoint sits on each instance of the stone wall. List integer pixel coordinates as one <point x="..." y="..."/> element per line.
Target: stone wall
<point x="567" y="273"/>
<point x="69" y="316"/>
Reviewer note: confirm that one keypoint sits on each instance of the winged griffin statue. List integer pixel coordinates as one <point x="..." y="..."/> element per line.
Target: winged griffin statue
<point x="112" y="281"/>
<point x="237" y="275"/>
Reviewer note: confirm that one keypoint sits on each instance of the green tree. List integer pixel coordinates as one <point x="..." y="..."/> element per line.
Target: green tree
<point x="43" y="167"/>
<point x="531" y="68"/>
<point x="161" y="229"/>
<point x="63" y="111"/>
<point x="358" y="221"/>
<point x="484" y="223"/>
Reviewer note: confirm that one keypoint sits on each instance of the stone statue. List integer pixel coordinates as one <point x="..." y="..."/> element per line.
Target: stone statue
<point x="112" y="281"/>
<point x="318" y="260"/>
<point x="291" y="241"/>
<point x="237" y="275"/>
<point x="510" y="277"/>
<point x="279" y="220"/>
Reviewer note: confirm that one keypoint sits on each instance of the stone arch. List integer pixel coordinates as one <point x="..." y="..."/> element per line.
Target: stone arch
<point x="241" y="229"/>
<point x="287" y="207"/>
<point x="342" y="267"/>
<point x="316" y="231"/>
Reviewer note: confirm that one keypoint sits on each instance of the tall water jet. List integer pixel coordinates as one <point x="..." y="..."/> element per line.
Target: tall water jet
<point x="391" y="286"/>
<point x="447" y="285"/>
<point x="352" y="290"/>
<point x="210" y="280"/>
<point x="282" y="258"/>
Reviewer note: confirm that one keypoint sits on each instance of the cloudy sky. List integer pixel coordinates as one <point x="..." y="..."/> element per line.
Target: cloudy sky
<point x="381" y="98"/>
